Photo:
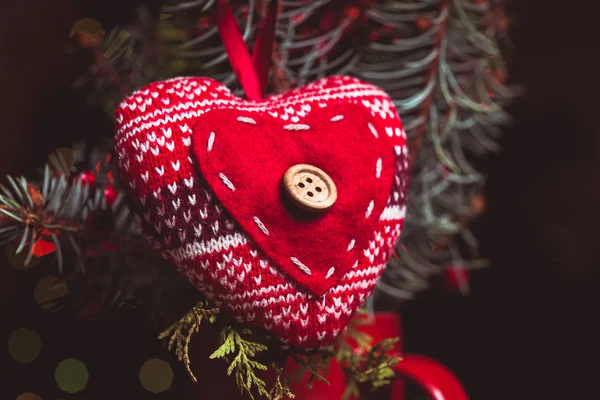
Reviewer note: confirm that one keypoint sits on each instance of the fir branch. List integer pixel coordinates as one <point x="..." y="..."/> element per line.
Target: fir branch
<point x="25" y="211"/>
<point x="242" y="364"/>
<point x="181" y="332"/>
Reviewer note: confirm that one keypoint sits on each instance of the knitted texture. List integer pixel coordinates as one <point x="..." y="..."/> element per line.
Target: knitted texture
<point x="203" y="170"/>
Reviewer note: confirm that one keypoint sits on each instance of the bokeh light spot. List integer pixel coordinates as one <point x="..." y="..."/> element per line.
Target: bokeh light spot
<point x="29" y="396"/>
<point x="18" y="260"/>
<point x="71" y="375"/>
<point x="48" y="291"/>
<point x="24" y="345"/>
<point x="156" y="375"/>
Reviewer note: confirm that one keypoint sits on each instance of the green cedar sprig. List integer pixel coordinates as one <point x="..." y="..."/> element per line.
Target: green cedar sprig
<point x="281" y="388"/>
<point x="181" y="332"/>
<point x="242" y="364"/>
<point x="375" y="366"/>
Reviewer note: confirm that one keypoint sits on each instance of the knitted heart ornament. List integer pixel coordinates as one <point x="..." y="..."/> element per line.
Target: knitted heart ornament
<point x="204" y="172"/>
<point x="208" y="175"/>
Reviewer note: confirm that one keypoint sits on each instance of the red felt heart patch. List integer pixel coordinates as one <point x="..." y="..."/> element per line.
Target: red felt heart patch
<point x="204" y="172"/>
<point x="244" y="155"/>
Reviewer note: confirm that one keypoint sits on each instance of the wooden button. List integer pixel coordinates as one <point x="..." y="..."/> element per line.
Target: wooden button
<point x="310" y="187"/>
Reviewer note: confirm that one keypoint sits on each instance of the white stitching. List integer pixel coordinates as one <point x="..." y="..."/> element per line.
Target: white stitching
<point x="303" y="267"/>
<point x="227" y="182"/>
<point x="261" y="226"/>
<point x="211" y="141"/>
<point x="373" y="131"/>
<point x="247" y="120"/>
<point x="351" y="245"/>
<point x="330" y="272"/>
<point x="370" y="209"/>
<point x="378" y="168"/>
<point x="296" y="127"/>
<point x="337" y="118"/>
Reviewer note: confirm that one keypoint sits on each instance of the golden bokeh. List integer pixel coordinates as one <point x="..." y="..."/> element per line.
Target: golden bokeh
<point x="48" y="291"/>
<point x="156" y="375"/>
<point x="29" y="396"/>
<point x="71" y="375"/>
<point x="18" y="260"/>
<point x="87" y="26"/>
<point x="24" y="345"/>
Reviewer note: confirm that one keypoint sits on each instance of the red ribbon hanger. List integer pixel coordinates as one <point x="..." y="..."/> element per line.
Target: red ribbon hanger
<point x="252" y="72"/>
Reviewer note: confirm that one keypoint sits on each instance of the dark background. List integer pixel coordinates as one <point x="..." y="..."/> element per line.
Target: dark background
<point x="528" y="330"/>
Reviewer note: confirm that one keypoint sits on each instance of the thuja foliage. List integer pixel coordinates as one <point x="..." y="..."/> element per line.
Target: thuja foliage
<point x="242" y="365"/>
<point x="180" y="332"/>
<point x="375" y="366"/>
<point x="361" y="361"/>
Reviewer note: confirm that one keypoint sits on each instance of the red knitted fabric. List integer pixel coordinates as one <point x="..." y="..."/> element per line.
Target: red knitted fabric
<point x="204" y="171"/>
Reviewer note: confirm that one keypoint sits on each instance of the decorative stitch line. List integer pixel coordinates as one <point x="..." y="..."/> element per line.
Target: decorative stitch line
<point x="372" y="129"/>
<point x="247" y="120"/>
<point x="211" y="141"/>
<point x="330" y="272"/>
<point x="370" y="209"/>
<point x="296" y="127"/>
<point x="351" y="245"/>
<point x="261" y="226"/>
<point x="302" y="267"/>
<point x="227" y="182"/>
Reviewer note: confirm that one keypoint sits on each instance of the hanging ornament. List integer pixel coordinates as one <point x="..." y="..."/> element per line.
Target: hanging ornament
<point x="282" y="210"/>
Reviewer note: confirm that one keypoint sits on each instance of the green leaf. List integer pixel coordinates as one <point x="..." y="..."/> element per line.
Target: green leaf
<point x="226" y="348"/>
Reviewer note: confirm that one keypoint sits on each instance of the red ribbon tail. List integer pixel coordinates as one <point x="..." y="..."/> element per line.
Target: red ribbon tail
<point x="238" y="53"/>
<point x="263" y="48"/>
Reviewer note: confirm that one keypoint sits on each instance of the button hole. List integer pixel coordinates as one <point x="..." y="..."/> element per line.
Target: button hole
<point x="310" y="194"/>
<point x="308" y="180"/>
<point x="301" y="184"/>
<point x="318" y="189"/>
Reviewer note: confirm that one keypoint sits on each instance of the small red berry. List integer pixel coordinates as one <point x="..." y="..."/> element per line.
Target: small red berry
<point x="87" y="178"/>
<point x="110" y="195"/>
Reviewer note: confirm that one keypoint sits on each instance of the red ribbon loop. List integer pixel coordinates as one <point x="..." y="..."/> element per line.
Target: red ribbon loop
<point x="252" y="73"/>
